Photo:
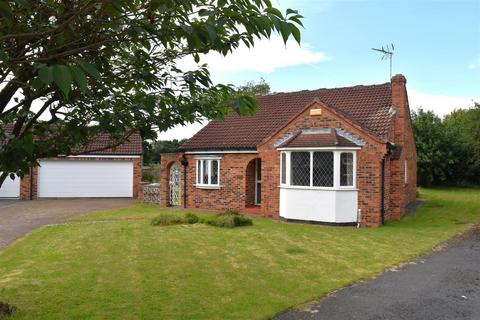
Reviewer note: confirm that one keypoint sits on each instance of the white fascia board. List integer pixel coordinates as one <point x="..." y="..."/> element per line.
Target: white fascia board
<point x="220" y="152"/>
<point x="317" y="148"/>
<point x="102" y="156"/>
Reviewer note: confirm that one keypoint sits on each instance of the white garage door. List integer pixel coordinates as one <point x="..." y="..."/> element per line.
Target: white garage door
<point x="10" y="188"/>
<point x="85" y="178"/>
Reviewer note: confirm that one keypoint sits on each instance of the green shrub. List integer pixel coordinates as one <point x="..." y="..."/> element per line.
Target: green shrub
<point x="165" y="219"/>
<point x="230" y="219"/>
<point x="191" y="218"/>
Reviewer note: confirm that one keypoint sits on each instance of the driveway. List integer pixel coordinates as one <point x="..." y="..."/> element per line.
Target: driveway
<point x="17" y="218"/>
<point x="443" y="285"/>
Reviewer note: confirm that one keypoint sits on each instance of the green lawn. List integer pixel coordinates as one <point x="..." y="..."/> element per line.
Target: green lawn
<point x="114" y="265"/>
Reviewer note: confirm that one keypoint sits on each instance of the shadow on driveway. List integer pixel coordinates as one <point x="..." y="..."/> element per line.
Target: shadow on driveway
<point x="443" y="285"/>
<point x="17" y="218"/>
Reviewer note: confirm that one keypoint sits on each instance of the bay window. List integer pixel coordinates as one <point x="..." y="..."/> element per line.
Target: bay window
<point x="208" y="172"/>
<point x="324" y="169"/>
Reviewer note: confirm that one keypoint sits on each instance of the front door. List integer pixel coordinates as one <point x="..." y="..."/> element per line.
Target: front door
<point x="175" y="185"/>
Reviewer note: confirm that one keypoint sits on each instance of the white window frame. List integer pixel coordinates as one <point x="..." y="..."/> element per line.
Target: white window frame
<point x="336" y="167"/>
<point x="199" y="172"/>
<point x="405" y="168"/>
<point x="354" y="171"/>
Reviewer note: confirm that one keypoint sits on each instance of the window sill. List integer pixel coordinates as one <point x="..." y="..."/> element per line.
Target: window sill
<point x="198" y="186"/>
<point x="319" y="188"/>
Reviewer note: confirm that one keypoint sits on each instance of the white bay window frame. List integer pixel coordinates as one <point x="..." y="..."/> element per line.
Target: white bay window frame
<point x="200" y="173"/>
<point x="336" y="167"/>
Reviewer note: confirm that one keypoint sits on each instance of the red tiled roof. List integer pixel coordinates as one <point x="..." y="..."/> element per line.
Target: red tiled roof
<point x="328" y="138"/>
<point x="365" y="105"/>
<point x="133" y="146"/>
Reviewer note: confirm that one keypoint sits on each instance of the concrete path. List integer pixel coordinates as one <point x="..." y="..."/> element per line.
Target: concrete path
<point x="442" y="286"/>
<point x="17" y="218"/>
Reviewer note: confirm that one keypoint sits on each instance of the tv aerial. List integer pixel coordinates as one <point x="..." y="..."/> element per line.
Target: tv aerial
<point x="387" y="53"/>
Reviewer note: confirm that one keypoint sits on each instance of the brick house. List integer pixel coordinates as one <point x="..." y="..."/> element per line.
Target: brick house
<point x="336" y="156"/>
<point x="97" y="171"/>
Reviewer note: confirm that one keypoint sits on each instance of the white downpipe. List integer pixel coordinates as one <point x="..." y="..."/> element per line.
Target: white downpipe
<point x="359" y="216"/>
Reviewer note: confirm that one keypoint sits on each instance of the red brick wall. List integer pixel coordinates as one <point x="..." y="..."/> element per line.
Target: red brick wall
<point x="401" y="193"/>
<point x="368" y="165"/>
<point x="233" y="191"/>
<point x="236" y="177"/>
<point x="27" y="194"/>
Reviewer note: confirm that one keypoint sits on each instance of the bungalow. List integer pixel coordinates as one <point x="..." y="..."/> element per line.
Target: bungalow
<point x="336" y="156"/>
<point x="97" y="171"/>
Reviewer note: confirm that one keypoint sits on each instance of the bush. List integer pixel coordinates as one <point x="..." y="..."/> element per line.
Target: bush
<point x="191" y="218"/>
<point x="230" y="219"/>
<point x="165" y="219"/>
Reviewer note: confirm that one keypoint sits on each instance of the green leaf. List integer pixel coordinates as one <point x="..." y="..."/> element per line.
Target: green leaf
<point x="22" y="2"/>
<point x="295" y="32"/>
<point x="45" y="74"/>
<point x="36" y="83"/>
<point x="274" y="11"/>
<point x="62" y="78"/>
<point x="79" y="78"/>
<point x="88" y="68"/>
<point x="285" y="31"/>
<point x="3" y="56"/>
<point x="6" y="11"/>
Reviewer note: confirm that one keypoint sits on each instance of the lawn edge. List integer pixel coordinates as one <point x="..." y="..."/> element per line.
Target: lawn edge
<point x="437" y="248"/>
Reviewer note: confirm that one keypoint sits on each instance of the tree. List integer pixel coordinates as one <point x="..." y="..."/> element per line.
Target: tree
<point x="72" y="69"/>
<point x="464" y="126"/>
<point x="253" y="88"/>
<point x="436" y="154"/>
<point x="153" y="149"/>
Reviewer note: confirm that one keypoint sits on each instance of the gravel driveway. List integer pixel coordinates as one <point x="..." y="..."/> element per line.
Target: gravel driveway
<point x="443" y="285"/>
<point x="17" y="218"/>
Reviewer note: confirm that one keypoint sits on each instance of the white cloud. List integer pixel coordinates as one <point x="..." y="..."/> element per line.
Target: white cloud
<point x="181" y="132"/>
<point x="266" y="56"/>
<point x="440" y="104"/>
<point x="475" y="64"/>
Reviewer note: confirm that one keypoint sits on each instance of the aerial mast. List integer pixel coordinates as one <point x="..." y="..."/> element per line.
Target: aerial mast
<point x="387" y="53"/>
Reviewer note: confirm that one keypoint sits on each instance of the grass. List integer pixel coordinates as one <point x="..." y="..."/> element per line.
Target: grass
<point x="115" y="265"/>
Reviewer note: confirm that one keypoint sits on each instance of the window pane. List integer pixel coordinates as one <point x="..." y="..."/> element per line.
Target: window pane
<point x="346" y="169"/>
<point x="214" y="172"/>
<point x="259" y="169"/>
<point x="259" y="193"/>
<point x="284" y="168"/>
<point x="199" y="171"/>
<point x="300" y="168"/>
<point x="323" y="169"/>
<point x="205" y="171"/>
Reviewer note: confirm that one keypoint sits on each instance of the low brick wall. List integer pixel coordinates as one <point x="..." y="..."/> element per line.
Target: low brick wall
<point x="151" y="193"/>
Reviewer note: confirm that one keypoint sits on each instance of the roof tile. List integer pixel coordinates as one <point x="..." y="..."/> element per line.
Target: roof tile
<point x="366" y="105"/>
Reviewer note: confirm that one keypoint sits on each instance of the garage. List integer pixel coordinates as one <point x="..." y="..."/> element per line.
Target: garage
<point x="10" y="188"/>
<point x="85" y="178"/>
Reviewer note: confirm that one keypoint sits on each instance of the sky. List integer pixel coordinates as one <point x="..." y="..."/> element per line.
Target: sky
<point x="437" y="48"/>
